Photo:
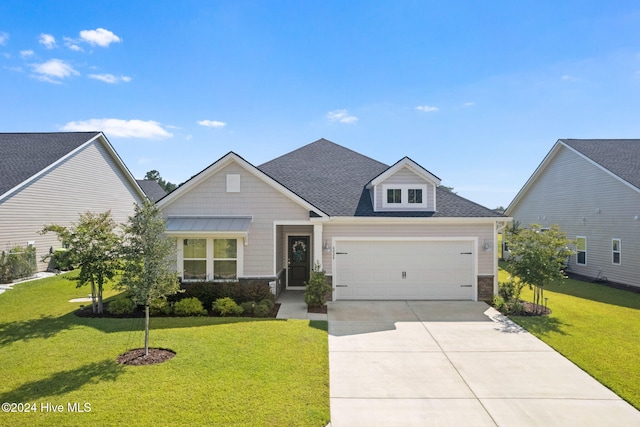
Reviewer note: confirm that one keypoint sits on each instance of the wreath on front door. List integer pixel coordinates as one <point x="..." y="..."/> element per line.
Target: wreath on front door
<point x="299" y="249"/>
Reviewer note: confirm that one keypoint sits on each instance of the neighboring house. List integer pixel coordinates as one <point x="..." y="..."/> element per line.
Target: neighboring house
<point x="379" y="231"/>
<point x="591" y="189"/>
<point x="51" y="178"/>
<point x="152" y="189"/>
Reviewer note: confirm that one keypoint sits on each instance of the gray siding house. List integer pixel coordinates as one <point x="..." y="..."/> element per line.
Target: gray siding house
<point x="48" y="178"/>
<point x="379" y="231"/>
<point x="591" y="189"/>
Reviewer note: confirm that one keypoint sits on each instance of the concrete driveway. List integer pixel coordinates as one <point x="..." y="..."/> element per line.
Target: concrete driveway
<point x="423" y="363"/>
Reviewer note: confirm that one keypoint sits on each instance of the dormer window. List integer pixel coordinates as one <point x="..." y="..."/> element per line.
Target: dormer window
<point x="404" y="196"/>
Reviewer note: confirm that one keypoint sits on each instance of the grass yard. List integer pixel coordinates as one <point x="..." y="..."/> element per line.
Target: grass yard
<point x="231" y="371"/>
<point x="597" y="328"/>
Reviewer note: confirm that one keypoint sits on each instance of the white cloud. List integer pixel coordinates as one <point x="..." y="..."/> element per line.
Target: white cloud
<point x="568" y="78"/>
<point x="469" y="104"/>
<point x="72" y="44"/>
<point x="110" y="78"/>
<point x="120" y="128"/>
<point x="3" y="38"/>
<point x="426" y="108"/>
<point x="47" y="40"/>
<point x="212" y="123"/>
<point x="53" y="70"/>
<point x="341" y="116"/>
<point x="26" y="53"/>
<point x="100" y="37"/>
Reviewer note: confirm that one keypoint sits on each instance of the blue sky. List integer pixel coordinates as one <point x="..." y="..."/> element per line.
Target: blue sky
<point x="477" y="92"/>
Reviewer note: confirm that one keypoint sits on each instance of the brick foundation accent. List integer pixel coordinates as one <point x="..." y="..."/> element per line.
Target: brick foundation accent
<point x="485" y="288"/>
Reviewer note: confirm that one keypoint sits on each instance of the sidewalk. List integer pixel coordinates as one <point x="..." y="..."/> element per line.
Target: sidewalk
<point x="292" y="306"/>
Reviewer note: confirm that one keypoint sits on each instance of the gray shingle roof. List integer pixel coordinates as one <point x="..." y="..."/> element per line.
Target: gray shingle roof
<point x="334" y="179"/>
<point x="619" y="156"/>
<point x="23" y="155"/>
<point x="152" y="189"/>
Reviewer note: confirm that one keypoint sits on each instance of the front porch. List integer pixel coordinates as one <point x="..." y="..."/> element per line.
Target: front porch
<point x="292" y="306"/>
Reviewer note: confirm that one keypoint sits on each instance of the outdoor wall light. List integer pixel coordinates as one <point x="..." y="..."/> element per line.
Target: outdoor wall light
<point x="486" y="246"/>
<point x="326" y="247"/>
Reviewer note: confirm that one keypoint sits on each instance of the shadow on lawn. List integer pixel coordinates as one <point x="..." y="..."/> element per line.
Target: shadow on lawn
<point x="597" y="292"/>
<point x="42" y="327"/>
<point x="541" y="325"/>
<point x="65" y="382"/>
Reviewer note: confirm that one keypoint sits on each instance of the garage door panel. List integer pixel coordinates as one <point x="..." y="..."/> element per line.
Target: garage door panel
<point x="404" y="270"/>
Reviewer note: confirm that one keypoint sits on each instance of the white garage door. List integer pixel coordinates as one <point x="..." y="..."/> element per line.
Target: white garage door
<point x="411" y="270"/>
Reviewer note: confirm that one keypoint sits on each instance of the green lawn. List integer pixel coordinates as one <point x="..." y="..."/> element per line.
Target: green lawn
<point x="226" y="371"/>
<point x="597" y="328"/>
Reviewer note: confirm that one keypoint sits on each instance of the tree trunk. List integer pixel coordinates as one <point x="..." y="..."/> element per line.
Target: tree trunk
<point x="93" y="296"/>
<point x="146" y="330"/>
<point x="100" y="306"/>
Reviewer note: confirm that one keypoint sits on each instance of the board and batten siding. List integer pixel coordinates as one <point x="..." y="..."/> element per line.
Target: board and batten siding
<point x="256" y="199"/>
<point x="90" y="180"/>
<point x="404" y="177"/>
<point x="484" y="232"/>
<point x="586" y="201"/>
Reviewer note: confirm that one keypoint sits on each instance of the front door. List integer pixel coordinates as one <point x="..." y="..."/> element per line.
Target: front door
<point x="299" y="260"/>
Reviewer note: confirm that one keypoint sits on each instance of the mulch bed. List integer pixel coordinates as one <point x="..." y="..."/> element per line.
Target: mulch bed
<point x="322" y="310"/>
<point x="531" y="309"/>
<point x="136" y="356"/>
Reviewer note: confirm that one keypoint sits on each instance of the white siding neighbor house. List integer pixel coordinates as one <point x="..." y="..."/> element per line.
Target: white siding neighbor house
<point x="379" y="231"/>
<point x="51" y="178"/>
<point x="591" y="189"/>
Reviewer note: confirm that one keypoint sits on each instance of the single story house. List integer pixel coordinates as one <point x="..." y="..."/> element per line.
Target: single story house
<point x="378" y="231"/>
<point x="591" y="189"/>
<point x="51" y="178"/>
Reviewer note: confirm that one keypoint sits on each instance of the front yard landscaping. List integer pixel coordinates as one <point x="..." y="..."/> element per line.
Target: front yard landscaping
<point x="226" y="371"/>
<point x="594" y="326"/>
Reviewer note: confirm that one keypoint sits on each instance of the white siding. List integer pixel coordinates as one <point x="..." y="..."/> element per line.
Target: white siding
<point x="586" y="201"/>
<point x="256" y="198"/>
<point x="483" y="232"/>
<point x="90" y="180"/>
<point x="402" y="177"/>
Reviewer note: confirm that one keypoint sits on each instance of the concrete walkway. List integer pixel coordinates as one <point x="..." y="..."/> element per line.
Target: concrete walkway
<point x="292" y="306"/>
<point x="422" y="363"/>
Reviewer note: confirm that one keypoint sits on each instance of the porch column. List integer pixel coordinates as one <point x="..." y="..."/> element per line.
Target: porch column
<point x="317" y="244"/>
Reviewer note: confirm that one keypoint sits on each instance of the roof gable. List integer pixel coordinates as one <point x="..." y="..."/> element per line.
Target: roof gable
<point x="25" y="156"/>
<point x="619" y="158"/>
<point x="405" y="162"/>
<point x="220" y="164"/>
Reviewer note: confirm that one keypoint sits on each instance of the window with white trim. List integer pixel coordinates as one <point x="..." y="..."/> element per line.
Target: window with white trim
<point x="404" y="196"/>
<point x="616" y="251"/>
<point x="581" y="250"/>
<point x="225" y="259"/>
<point x="194" y="255"/>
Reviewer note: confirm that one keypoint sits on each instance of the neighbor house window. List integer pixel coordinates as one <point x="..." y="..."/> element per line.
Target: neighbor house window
<point x="415" y="195"/>
<point x="194" y="253"/>
<point x="581" y="249"/>
<point x="394" y="195"/>
<point x="225" y="259"/>
<point x="616" y="250"/>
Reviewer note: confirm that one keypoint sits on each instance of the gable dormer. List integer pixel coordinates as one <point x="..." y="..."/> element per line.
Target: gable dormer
<point x="405" y="186"/>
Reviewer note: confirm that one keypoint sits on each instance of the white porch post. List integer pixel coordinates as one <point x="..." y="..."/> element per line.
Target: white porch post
<point x="317" y="244"/>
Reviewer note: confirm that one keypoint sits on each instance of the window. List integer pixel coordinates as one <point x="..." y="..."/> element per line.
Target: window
<point x="415" y="195"/>
<point x="195" y="259"/>
<point x="225" y="259"/>
<point x="616" y="250"/>
<point x="581" y="248"/>
<point x="394" y="195"/>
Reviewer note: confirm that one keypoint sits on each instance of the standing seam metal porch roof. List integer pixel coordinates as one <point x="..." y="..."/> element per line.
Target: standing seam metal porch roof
<point x="231" y="224"/>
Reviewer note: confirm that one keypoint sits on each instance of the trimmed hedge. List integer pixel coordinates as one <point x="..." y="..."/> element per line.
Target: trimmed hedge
<point x="240" y="292"/>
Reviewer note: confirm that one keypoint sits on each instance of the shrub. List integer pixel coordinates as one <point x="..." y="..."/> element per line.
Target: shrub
<point x="160" y="306"/>
<point x="189" y="307"/>
<point x="208" y="292"/>
<point x="17" y="263"/>
<point x="268" y="302"/>
<point x="61" y="260"/>
<point x="248" y="307"/>
<point x="317" y="288"/>
<point x="120" y="306"/>
<point x="227" y="307"/>
<point x="262" y="309"/>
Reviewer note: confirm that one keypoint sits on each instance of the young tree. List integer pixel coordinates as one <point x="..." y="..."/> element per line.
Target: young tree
<point x="538" y="256"/>
<point x="92" y="245"/>
<point x="147" y="271"/>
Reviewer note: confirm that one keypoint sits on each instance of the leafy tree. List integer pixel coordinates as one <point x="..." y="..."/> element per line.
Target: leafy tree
<point x="147" y="271"/>
<point x="538" y="257"/>
<point x="92" y="245"/>
<point x="154" y="175"/>
<point x="448" y="189"/>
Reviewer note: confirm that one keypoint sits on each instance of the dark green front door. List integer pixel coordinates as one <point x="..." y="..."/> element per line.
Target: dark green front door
<point x="299" y="260"/>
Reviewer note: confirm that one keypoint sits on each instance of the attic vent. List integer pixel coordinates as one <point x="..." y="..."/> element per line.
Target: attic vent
<point x="233" y="183"/>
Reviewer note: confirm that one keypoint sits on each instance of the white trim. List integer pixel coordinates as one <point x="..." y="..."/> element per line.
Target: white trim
<point x="404" y="196"/>
<point x="619" y="251"/>
<point x="209" y="237"/>
<point x="586" y="251"/>
<point x="416" y="220"/>
<point x="411" y="165"/>
<point x="473" y="240"/>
